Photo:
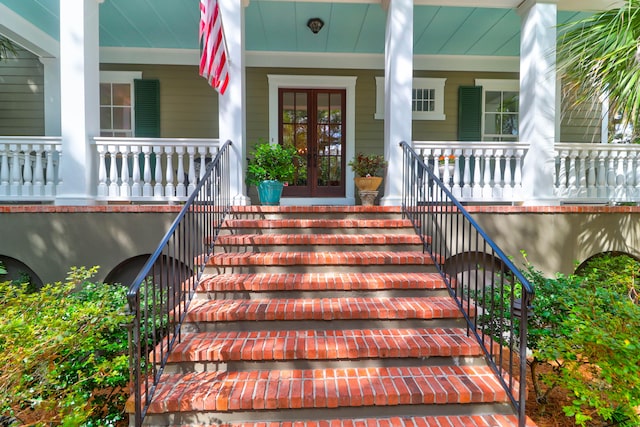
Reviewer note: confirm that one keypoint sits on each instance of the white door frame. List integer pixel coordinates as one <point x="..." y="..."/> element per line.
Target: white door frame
<point x="348" y="83"/>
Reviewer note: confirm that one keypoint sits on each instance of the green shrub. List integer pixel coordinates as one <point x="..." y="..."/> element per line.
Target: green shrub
<point x="64" y="352"/>
<point x="586" y="327"/>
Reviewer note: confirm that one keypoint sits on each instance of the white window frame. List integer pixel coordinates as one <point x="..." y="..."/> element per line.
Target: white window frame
<point x="433" y="83"/>
<point x="497" y="85"/>
<point x="123" y="77"/>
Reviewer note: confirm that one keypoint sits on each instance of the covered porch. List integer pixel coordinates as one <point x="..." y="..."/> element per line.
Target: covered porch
<point x="396" y="45"/>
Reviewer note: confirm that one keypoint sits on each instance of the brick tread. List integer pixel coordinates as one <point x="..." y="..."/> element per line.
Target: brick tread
<point x="496" y="420"/>
<point x="326" y="388"/>
<point x="318" y="239"/>
<point x="322" y="309"/>
<point x="324" y="345"/>
<point x="315" y="223"/>
<point x="253" y="209"/>
<point x="320" y="258"/>
<point x="319" y="281"/>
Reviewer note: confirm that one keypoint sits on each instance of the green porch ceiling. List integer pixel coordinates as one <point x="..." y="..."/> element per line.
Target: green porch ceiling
<point x="281" y="26"/>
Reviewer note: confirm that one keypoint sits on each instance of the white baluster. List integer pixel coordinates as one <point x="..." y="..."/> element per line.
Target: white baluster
<point x="4" y="171"/>
<point x="180" y="188"/>
<point x="517" y="173"/>
<point x="16" y="179"/>
<point x="572" y="184"/>
<point x="147" y="190"/>
<point x="191" y="151"/>
<point x="50" y="175"/>
<point x="592" y="189"/>
<point x="497" y="175"/>
<point x="169" y="187"/>
<point x="113" y="171"/>
<point x="602" y="174"/>
<point x="611" y="175"/>
<point x="27" y="172"/>
<point x="620" y="175"/>
<point x="486" y="177"/>
<point x="455" y="188"/>
<point x="630" y="188"/>
<point x="136" y="184"/>
<point x="203" y="161"/>
<point x="467" y="192"/>
<point x="507" y="187"/>
<point x="103" y="189"/>
<point x="158" y="189"/>
<point x="582" y="173"/>
<point x="125" y="188"/>
<point x="561" y="184"/>
<point x="477" y="166"/>
<point x="38" y="175"/>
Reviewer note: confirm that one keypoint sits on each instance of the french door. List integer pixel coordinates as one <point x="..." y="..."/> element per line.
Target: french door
<point x="313" y="121"/>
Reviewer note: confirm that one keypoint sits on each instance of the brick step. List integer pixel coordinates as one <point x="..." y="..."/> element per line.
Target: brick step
<point x="309" y="345"/>
<point x="334" y="281"/>
<point x="320" y="258"/>
<point x="310" y="212"/>
<point x="494" y="420"/>
<point x="319" y="225"/>
<point x="263" y="312"/>
<point x="374" y="389"/>
<point x="318" y="239"/>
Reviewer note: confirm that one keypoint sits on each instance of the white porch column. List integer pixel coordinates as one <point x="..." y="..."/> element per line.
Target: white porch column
<point x="538" y="98"/>
<point x="51" y="96"/>
<point x="80" y="115"/>
<point x="398" y="84"/>
<point x="232" y="108"/>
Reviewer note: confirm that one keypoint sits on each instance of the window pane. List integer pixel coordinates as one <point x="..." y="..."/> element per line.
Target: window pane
<point x="122" y="94"/>
<point x="492" y="123"/>
<point x="492" y="101"/>
<point x="510" y="101"/>
<point x="105" y="118"/>
<point x="121" y="118"/>
<point x="105" y="94"/>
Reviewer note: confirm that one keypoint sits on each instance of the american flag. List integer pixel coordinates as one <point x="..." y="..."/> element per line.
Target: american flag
<point x="213" y="59"/>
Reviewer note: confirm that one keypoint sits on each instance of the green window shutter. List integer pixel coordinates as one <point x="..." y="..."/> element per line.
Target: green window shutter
<point x="147" y="108"/>
<point x="470" y="113"/>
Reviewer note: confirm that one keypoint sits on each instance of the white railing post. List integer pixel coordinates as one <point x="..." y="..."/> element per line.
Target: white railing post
<point x="487" y="191"/>
<point x="507" y="189"/>
<point x="477" y="166"/>
<point x="497" y="178"/>
<point x="125" y="189"/>
<point x="4" y="170"/>
<point x="467" y="191"/>
<point x="50" y="185"/>
<point x="192" y="170"/>
<point x="592" y="187"/>
<point x="158" y="189"/>
<point x="572" y="179"/>
<point x="27" y="172"/>
<point x="38" y="176"/>
<point x="136" y="185"/>
<point x="103" y="189"/>
<point x="180" y="189"/>
<point x="113" y="170"/>
<point x="169" y="187"/>
<point x="582" y="173"/>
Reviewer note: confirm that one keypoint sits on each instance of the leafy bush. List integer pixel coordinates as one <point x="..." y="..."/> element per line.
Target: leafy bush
<point x="586" y="327"/>
<point x="271" y="162"/>
<point x="365" y="165"/>
<point x="64" y="352"/>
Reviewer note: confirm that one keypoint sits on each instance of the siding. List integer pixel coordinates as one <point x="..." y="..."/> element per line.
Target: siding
<point x="581" y="122"/>
<point x="188" y="105"/>
<point x="22" y="95"/>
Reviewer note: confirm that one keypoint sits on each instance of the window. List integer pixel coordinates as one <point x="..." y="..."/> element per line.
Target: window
<point x="116" y="103"/>
<point x="500" y="109"/>
<point x="427" y="101"/>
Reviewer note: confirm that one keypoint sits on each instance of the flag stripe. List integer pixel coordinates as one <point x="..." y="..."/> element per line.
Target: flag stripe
<point x="213" y="60"/>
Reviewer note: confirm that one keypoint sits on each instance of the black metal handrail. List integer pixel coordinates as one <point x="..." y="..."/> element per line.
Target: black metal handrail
<point x="161" y="293"/>
<point x="492" y="293"/>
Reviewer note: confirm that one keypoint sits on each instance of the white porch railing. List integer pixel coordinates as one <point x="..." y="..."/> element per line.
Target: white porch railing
<point x="29" y="168"/>
<point x="490" y="172"/>
<point x="151" y="169"/>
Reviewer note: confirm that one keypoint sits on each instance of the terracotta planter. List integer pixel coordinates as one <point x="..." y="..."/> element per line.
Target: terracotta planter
<point x="368" y="183"/>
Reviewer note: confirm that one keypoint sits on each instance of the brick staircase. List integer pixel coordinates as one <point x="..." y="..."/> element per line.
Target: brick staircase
<point x="325" y="317"/>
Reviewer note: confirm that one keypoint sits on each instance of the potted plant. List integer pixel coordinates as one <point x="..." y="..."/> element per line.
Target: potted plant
<point x="270" y="168"/>
<point x="369" y="169"/>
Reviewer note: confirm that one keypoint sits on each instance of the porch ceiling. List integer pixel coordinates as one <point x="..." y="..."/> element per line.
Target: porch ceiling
<point x="355" y="26"/>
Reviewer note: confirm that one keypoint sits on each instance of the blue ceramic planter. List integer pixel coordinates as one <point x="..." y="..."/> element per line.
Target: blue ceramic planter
<point x="270" y="192"/>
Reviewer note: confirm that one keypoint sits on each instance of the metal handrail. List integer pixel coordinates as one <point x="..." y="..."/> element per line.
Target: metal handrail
<point x="493" y="295"/>
<point x="161" y="293"/>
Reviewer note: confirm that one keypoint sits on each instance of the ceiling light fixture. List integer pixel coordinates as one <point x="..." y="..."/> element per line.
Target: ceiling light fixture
<point x="315" y="25"/>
